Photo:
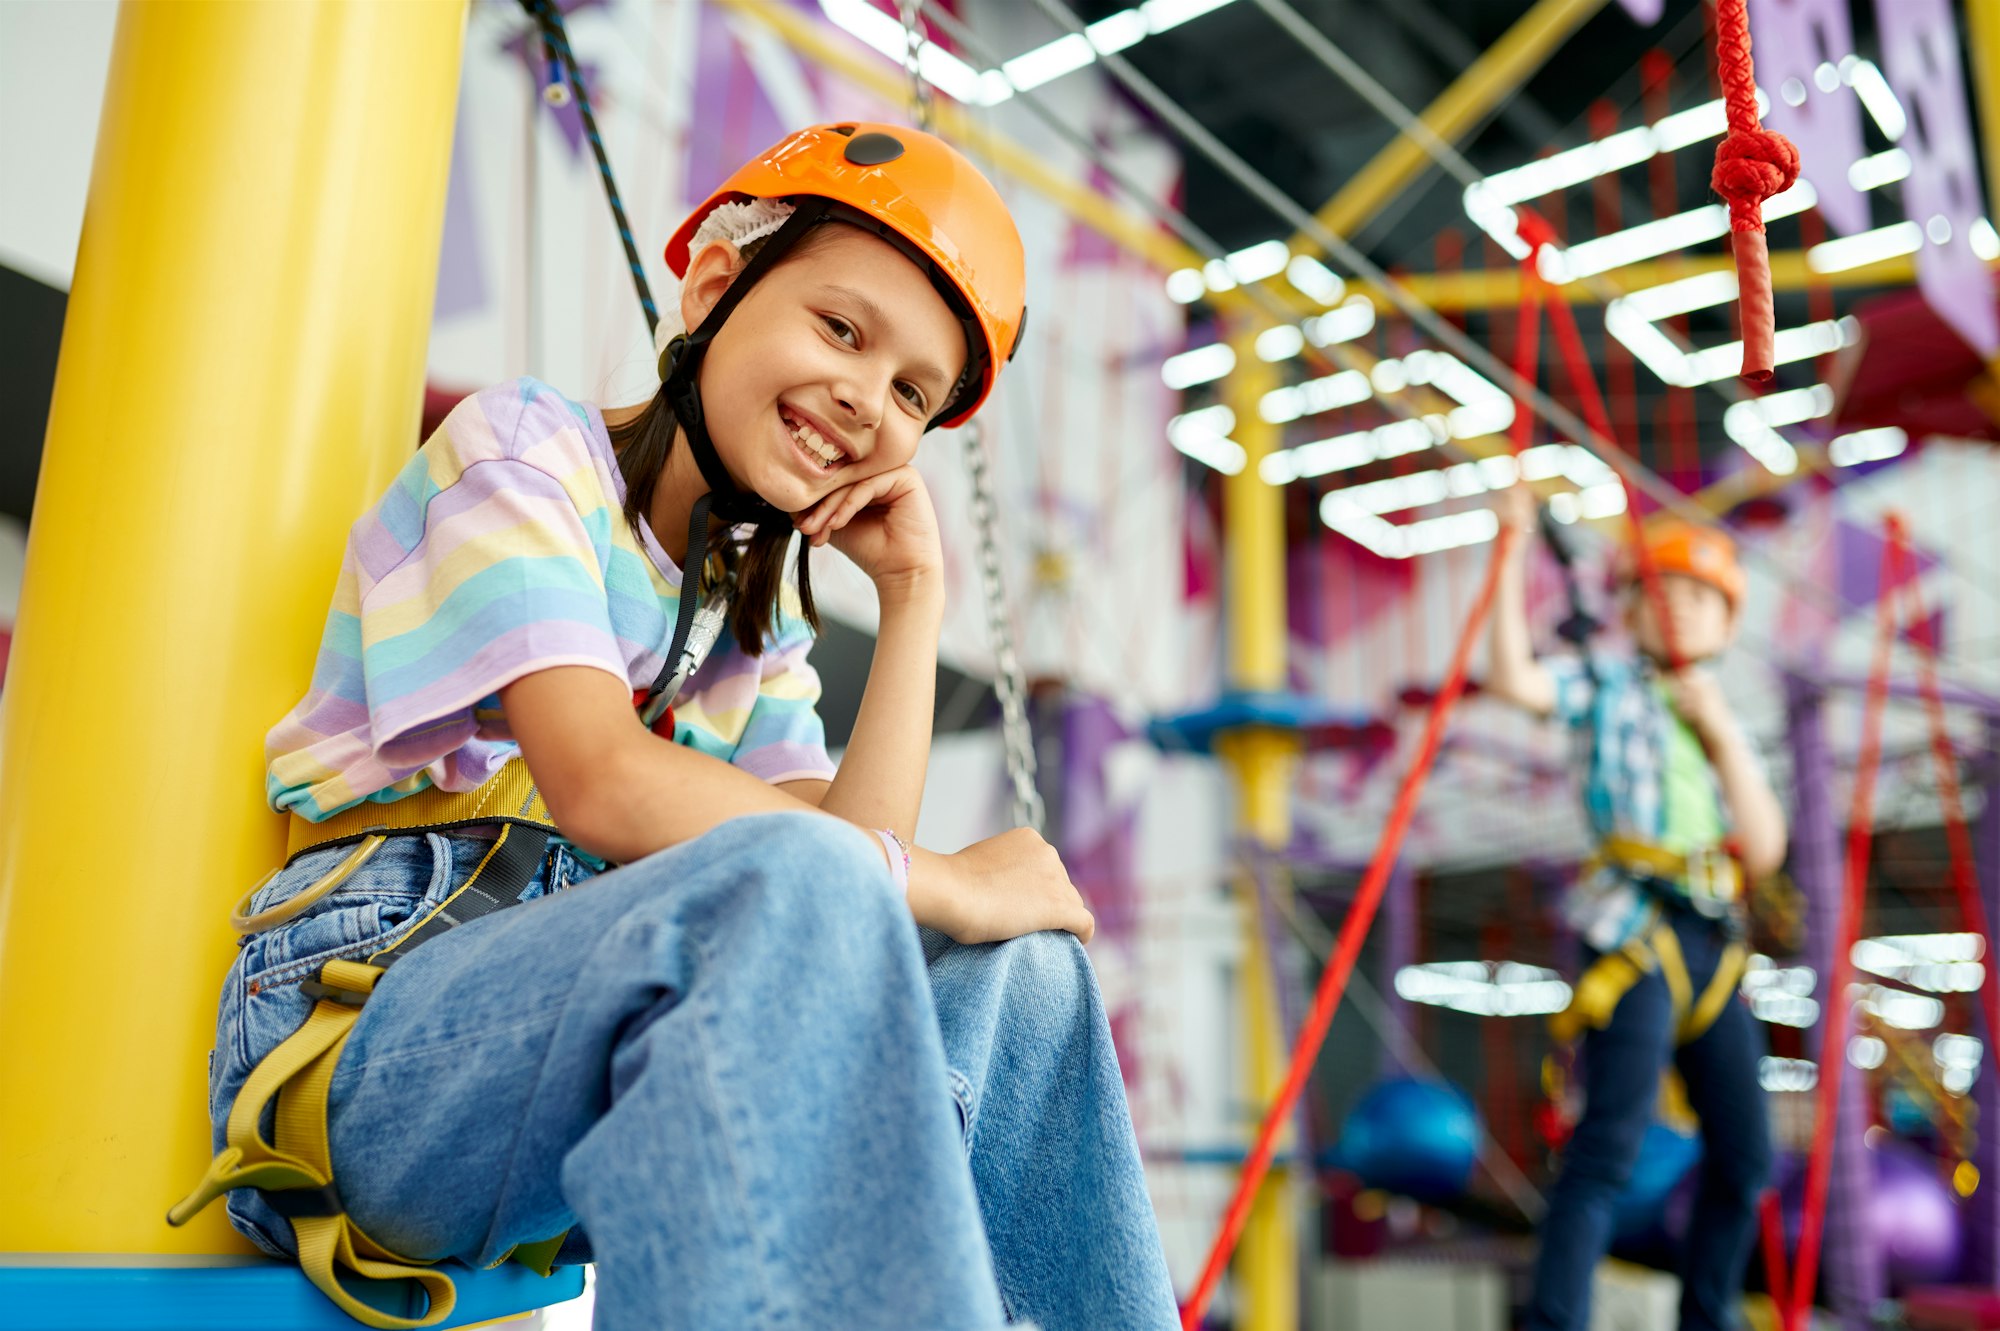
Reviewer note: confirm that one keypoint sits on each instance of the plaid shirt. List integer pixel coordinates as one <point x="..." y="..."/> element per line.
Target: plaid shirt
<point x="1620" y="750"/>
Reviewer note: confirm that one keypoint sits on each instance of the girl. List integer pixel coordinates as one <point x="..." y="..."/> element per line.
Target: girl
<point x="779" y="1067"/>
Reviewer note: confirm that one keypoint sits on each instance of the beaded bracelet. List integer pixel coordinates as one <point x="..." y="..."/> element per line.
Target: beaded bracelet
<point x="899" y="857"/>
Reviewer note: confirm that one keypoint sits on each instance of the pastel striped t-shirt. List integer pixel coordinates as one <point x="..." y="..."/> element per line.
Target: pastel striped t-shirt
<point x="502" y="549"/>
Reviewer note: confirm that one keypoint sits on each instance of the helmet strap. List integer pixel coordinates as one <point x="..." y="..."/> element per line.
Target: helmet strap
<point x="681" y="371"/>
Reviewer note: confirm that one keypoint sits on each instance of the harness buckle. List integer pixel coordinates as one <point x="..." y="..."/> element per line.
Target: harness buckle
<point x="330" y="993"/>
<point x="305" y="1203"/>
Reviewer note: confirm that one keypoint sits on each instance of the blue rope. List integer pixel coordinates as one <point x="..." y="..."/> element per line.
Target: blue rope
<point x="546" y="13"/>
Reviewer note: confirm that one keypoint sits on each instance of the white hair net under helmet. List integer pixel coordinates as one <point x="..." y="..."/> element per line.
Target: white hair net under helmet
<point x="737" y="223"/>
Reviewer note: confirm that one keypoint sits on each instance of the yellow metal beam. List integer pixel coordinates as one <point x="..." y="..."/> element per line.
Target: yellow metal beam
<point x="1458" y="110"/>
<point x="1982" y="21"/>
<point x="1262" y="761"/>
<point x="241" y="373"/>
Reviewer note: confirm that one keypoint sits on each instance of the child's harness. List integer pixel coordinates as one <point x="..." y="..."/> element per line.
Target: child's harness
<point x="1709" y="881"/>
<point x="295" y="1173"/>
<point x="1705" y="881"/>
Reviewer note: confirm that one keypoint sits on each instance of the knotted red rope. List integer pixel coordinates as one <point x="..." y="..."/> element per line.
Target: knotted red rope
<point x="1751" y="165"/>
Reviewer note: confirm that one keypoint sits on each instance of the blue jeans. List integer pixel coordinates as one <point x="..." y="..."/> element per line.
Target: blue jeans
<point x="754" y="1091"/>
<point x="1621" y="1077"/>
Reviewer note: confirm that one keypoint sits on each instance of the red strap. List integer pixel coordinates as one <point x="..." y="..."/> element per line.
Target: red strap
<point x="1576" y="368"/>
<point x="664" y="727"/>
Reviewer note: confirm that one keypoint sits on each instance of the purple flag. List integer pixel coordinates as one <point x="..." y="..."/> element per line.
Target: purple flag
<point x="1941" y="195"/>
<point x="1798" y="46"/>
<point x="461" y="284"/>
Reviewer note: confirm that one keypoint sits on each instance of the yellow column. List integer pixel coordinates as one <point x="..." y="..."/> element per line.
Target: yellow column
<point x="1267" y="1263"/>
<point x="241" y="374"/>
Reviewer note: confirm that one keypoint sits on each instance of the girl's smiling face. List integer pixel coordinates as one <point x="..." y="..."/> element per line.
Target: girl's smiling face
<point x="828" y="370"/>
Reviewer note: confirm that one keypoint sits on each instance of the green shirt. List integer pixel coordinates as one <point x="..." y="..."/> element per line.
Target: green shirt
<point x="1693" y="813"/>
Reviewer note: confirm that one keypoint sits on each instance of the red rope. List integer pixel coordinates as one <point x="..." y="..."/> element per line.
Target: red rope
<point x="1576" y="367"/>
<point x="1964" y="867"/>
<point x="1374" y="881"/>
<point x="1751" y="164"/>
<point x="1333" y="981"/>
<point x="1833" y="1031"/>
<point x="1774" y="1250"/>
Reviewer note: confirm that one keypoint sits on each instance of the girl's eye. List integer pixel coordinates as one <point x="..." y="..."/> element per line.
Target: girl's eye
<point x="911" y="393"/>
<point x="840" y="328"/>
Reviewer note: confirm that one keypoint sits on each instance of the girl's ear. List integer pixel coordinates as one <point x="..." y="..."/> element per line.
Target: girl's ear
<point x="709" y="274"/>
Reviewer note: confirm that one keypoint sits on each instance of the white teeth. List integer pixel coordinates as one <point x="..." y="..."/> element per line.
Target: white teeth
<point x="811" y="438"/>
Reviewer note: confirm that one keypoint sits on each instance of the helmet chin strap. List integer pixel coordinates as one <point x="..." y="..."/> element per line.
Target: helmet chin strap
<point x="680" y="370"/>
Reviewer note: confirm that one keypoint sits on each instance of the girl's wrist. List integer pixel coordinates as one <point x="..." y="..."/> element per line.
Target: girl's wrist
<point x="918" y="588"/>
<point x="898" y="852"/>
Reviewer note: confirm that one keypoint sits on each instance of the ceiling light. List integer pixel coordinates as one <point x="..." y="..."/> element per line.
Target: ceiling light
<point x="1204" y="436"/>
<point x="1851" y="450"/>
<point x="1789" y="344"/>
<point x="1128" y="27"/>
<point x="1484" y="988"/>
<point x="1318" y="458"/>
<point x="1985" y="241"/>
<point x="1164" y="14"/>
<point x="1750" y="423"/>
<point x="1650" y="240"/>
<point x="1186" y="285"/>
<point x="1683" y="296"/>
<point x="1938" y="229"/>
<point x="1254" y="264"/>
<point x="1064" y="55"/>
<point x="1352" y="318"/>
<point x="1280" y="343"/>
<point x="1217" y="275"/>
<point x="1199" y="366"/>
<point x="1315" y="280"/>
<point x="1908" y="1012"/>
<point x="937" y="66"/>
<point x="1878" y="97"/>
<point x="1775" y="1073"/>
<point x="1343" y="389"/>
<point x="1884" y="168"/>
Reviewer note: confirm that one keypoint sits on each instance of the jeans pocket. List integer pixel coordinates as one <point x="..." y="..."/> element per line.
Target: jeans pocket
<point x="262" y="1005"/>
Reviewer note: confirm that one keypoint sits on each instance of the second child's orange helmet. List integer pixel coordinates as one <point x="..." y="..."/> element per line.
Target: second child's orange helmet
<point x="1701" y="553"/>
<point x="921" y="195"/>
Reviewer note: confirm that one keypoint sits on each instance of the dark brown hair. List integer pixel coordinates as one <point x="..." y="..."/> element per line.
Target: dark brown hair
<point x="643" y="445"/>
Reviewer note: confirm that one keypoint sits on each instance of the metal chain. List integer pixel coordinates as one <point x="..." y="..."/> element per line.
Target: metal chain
<point x="920" y="91"/>
<point x="1009" y="684"/>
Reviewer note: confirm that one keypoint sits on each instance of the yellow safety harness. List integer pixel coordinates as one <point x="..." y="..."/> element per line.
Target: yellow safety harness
<point x="1709" y="877"/>
<point x="295" y="1173"/>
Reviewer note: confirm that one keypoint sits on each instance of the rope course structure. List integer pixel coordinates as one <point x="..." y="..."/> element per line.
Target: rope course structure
<point x="1793" y="1290"/>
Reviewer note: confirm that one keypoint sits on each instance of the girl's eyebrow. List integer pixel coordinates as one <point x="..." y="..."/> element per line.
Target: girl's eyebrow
<point x="874" y="314"/>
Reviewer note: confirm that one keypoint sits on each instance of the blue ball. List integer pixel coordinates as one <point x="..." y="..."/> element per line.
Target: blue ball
<point x="1665" y="1157"/>
<point x="1419" y="1138"/>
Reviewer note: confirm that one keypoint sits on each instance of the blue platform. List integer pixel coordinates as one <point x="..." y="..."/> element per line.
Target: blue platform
<point x="51" y="1292"/>
<point x="1318" y="722"/>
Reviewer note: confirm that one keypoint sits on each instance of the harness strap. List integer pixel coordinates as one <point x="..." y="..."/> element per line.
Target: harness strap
<point x="510" y="796"/>
<point x="296" y="1173"/>
<point x="1604" y="985"/>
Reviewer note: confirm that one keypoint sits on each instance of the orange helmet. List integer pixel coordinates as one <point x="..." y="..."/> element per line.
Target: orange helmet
<point x="1701" y="553"/>
<point x="920" y="194"/>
